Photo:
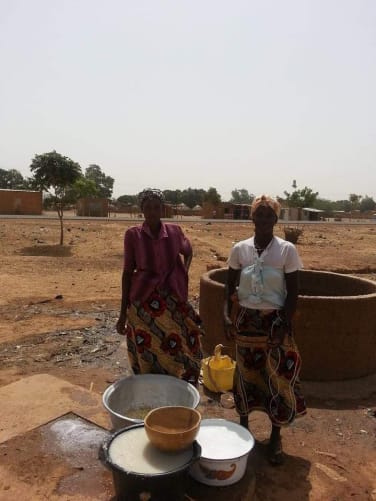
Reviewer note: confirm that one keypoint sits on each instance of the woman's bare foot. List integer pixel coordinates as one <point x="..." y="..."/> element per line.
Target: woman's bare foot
<point x="275" y="452"/>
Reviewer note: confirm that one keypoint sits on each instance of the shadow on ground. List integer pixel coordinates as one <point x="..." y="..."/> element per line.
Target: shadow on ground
<point x="47" y="250"/>
<point x="288" y="481"/>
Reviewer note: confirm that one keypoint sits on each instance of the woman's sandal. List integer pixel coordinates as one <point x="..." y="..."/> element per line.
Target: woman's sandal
<point x="275" y="453"/>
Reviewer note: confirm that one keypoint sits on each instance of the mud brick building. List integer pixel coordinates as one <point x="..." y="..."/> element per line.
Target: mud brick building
<point x="21" y="202"/>
<point x="92" y="207"/>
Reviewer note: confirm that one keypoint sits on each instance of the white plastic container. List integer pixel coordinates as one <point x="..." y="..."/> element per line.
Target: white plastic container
<point x="225" y="447"/>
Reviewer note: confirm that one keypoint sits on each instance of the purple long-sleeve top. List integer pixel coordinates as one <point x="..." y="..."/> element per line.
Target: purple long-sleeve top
<point x="156" y="262"/>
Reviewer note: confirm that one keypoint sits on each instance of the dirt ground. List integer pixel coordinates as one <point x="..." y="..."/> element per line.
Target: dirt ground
<point x="58" y="307"/>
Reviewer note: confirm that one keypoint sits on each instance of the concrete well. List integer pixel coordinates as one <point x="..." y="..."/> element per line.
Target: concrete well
<point x="335" y="326"/>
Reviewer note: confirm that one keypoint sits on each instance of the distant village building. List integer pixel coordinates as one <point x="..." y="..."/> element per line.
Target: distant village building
<point x="300" y="214"/>
<point x="226" y="210"/>
<point x="92" y="207"/>
<point x="23" y="202"/>
<point x="197" y="210"/>
<point x="167" y="210"/>
<point x="181" y="209"/>
<point x="310" y="214"/>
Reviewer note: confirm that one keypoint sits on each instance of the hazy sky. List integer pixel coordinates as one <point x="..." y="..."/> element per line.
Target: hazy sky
<point x="185" y="93"/>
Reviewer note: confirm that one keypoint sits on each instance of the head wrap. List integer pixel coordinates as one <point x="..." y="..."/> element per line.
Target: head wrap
<point x="266" y="201"/>
<point x="148" y="194"/>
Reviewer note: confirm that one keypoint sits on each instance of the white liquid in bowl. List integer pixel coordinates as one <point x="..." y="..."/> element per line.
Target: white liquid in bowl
<point x="132" y="451"/>
<point x="221" y="439"/>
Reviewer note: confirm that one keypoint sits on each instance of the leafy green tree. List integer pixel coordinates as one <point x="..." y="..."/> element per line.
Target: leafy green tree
<point x="241" y="196"/>
<point x="11" y="179"/>
<point x="354" y="201"/>
<point x="193" y="196"/>
<point x="104" y="184"/>
<point x="342" y="205"/>
<point x="3" y="179"/>
<point x="48" y="202"/>
<point x="173" y="196"/>
<point x="127" y="200"/>
<point x="367" y="204"/>
<point x="301" y="198"/>
<point x="55" y="174"/>
<point x="326" y="205"/>
<point x="212" y="196"/>
<point x="82" y="188"/>
<point x="29" y="184"/>
<point x="189" y="196"/>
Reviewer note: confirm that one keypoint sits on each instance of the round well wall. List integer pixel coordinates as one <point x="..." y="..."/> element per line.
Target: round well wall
<point x="335" y="325"/>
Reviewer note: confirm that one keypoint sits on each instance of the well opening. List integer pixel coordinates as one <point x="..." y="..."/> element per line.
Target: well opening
<point x="335" y="326"/>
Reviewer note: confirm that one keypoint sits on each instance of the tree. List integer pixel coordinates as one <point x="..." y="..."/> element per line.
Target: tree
<point x="104" y="184"/>
<point x="127" y="200"/>
<point x="342" y="205"/>
<point x="172" y="196"/>
<point x="55" y="174"/>
<point x="367" y="204"/>
<point x="212" y="196"/>
<point x="11" y="179"/>
<point x="189" y="196"/>
<point x="301" y="198"/>
<point x="193" y="196"/>
<point x="354" y="201"/>
<point x="241" y="196"/>
<point x="328" y="206"/>
<point x="81" y="188"/>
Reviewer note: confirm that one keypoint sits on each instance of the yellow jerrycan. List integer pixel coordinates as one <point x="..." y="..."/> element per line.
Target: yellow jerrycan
<point x="218" y="371"/>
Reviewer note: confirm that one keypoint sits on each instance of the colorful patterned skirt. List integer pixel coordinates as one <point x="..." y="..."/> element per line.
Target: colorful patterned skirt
<point x="163" y="337"/>
<point x="266" y="377"/>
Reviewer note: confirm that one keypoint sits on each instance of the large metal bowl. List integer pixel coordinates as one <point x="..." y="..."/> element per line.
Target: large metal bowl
<point x="146" y="391"/>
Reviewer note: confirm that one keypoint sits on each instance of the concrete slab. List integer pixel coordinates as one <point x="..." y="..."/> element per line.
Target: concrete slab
<point x="57" y="461"/>
<point x="36" y="400"/>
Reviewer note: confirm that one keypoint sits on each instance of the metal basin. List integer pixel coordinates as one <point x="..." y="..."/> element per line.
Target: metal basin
<point x="146" y="391"/>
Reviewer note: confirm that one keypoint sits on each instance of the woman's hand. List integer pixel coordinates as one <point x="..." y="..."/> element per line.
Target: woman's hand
<point x="281" y="327"/>
<point x="121" y="324"/>
<point x="276" y="339"/>
<point x="229" y="327"/>
<point x="230" y="298"/>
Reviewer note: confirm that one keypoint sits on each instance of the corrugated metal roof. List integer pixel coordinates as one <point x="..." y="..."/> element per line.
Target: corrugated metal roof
<point x="308" y="209"/>
<point x="26" y="191"/>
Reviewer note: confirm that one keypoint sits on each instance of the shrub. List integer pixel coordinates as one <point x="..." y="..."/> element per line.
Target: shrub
<point x="292" y="234"/>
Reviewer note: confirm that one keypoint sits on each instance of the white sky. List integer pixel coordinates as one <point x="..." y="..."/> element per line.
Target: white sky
<point x="194" y="93"/>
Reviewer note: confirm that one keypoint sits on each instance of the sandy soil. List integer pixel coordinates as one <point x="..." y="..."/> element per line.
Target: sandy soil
<point x="58" y="307"/>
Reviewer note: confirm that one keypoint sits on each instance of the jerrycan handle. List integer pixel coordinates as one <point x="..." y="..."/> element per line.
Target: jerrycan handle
<point x="217" y="354"/>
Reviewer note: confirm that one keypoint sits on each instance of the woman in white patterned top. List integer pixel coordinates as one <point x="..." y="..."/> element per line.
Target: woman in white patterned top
<point x="261" y="296"/>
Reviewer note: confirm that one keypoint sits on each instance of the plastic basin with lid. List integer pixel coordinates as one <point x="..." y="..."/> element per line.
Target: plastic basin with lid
<point x="225" y="447"/>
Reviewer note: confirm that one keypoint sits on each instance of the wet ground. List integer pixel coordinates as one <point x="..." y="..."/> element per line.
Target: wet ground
<point x="330" y="453"/>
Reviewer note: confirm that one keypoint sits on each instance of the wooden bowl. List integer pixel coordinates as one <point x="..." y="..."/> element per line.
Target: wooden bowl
<point x="172" y="428"/>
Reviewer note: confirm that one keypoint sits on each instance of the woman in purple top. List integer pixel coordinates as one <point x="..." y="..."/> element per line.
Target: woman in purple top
<point x="163" y="330"/>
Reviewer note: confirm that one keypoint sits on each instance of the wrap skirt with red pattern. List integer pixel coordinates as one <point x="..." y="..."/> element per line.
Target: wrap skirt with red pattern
<point x="266" y="377"/>
<point x="164" y="337"/>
